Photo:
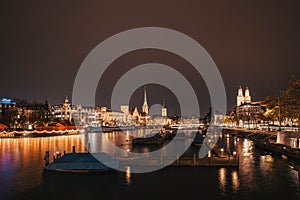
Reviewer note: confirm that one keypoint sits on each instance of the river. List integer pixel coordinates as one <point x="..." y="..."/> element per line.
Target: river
<point x="260" y="174"/>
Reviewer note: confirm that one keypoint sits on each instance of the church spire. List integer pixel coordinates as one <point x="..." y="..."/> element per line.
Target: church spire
<point x="240" y="97"/>
<point x="145" y="96"/>
<point x="145" y="106"/>
<point x="164" y="109"/>
<point x="247" y="95"/>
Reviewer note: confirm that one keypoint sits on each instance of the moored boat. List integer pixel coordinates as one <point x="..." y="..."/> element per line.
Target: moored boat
<point x="83" y="162"/>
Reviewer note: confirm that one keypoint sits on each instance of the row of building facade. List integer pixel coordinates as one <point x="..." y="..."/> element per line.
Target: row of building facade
<point x="87" y="116"/>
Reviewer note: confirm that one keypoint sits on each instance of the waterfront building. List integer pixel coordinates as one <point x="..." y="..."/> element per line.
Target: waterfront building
<point x="85" y="115"/>
<point x="241" y="99"/>
<point x="249" y="109"/>
<point x="245" y="111"/>
<point x="126" y="117"/>
<point x="164" y="109"/>
<point x="143" y="117"/>
<point x="161" y="119"/>
<point x="67" y="110"/>
<point x="64" y="111"/>
<point x="6" y="105"/>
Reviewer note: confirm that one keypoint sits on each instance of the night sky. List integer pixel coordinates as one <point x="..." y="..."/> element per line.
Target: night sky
<point x="253" y="43"/>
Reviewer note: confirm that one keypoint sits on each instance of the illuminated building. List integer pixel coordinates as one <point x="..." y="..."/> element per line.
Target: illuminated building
<point x="145" y="107"/>
<point x="164" y="110"/>
<point x="63" y="112"/>
<point x="5" y="105"/>
<point x="241" y="99"/>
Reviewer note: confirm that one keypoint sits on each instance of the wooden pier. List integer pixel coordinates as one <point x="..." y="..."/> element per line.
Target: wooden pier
<point x="226" y="161"/>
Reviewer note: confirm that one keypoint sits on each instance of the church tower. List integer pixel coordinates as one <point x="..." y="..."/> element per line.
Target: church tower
<point x="247" y="98"/>
<point x="164" y="109"/>
<point x="145" y="107"/>
<point x="67" y="110"/>
<point x="240" y="97"/>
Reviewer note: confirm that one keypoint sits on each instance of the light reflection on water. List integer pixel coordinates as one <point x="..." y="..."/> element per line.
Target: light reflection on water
<point x="222" y="178"/>
<point x="128" y="175"/>
<point x="21" y="166"/>
<point x="21" y="159"/>
<point x="235" y="181"/>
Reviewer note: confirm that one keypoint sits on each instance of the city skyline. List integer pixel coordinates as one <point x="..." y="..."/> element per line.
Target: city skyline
<point x="143" y="99"/>
<point x="255" y="49"/>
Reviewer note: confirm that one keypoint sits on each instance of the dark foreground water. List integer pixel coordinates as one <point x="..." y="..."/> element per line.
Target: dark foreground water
<point x="260" y="175"/>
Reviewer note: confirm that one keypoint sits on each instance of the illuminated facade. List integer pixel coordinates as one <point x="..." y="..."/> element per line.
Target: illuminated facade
<point x="248" y="109"/>
<point x="241" y="99"/>
<point x="5" y="105"/>
<point x="145" y="107"/>
<point x="63" y="112"/>
<point x="164" y="109"/>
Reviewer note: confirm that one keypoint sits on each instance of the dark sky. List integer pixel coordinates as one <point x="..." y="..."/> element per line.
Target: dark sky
<point x="254" y="43"/>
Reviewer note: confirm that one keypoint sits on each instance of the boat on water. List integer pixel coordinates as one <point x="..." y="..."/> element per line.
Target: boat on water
<point x="105" y="129"/>
<point x="158" y="137"/>
<point x="83" y="162"/>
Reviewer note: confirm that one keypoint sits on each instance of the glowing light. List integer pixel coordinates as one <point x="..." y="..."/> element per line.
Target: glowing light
<point x="222" y="178"/>
<point x="235" y="181"/>
<point x="7" y="101"/>
<point x="209" y="154"/>
<point x="246" y="147"/>
<point x="128" y="175"/>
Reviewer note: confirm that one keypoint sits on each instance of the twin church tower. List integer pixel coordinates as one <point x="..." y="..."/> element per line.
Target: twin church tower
<point x="241" y="99"/>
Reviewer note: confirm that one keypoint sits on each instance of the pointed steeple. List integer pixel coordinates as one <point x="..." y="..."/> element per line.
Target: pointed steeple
<point x="145" y="96"/>
<point x="247" y="95"/>
<point x="247" y="92"/>
<point x="145" y="106"/>
<point x="240" y="91"/>
<point x="67" y="99"/>
<point x="164" y="109"/>
<point x="240" y="96"/>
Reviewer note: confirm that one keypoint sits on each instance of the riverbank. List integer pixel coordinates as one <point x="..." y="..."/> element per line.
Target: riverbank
<point x="267" y="141"/>
<point x="36" y="133"/>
